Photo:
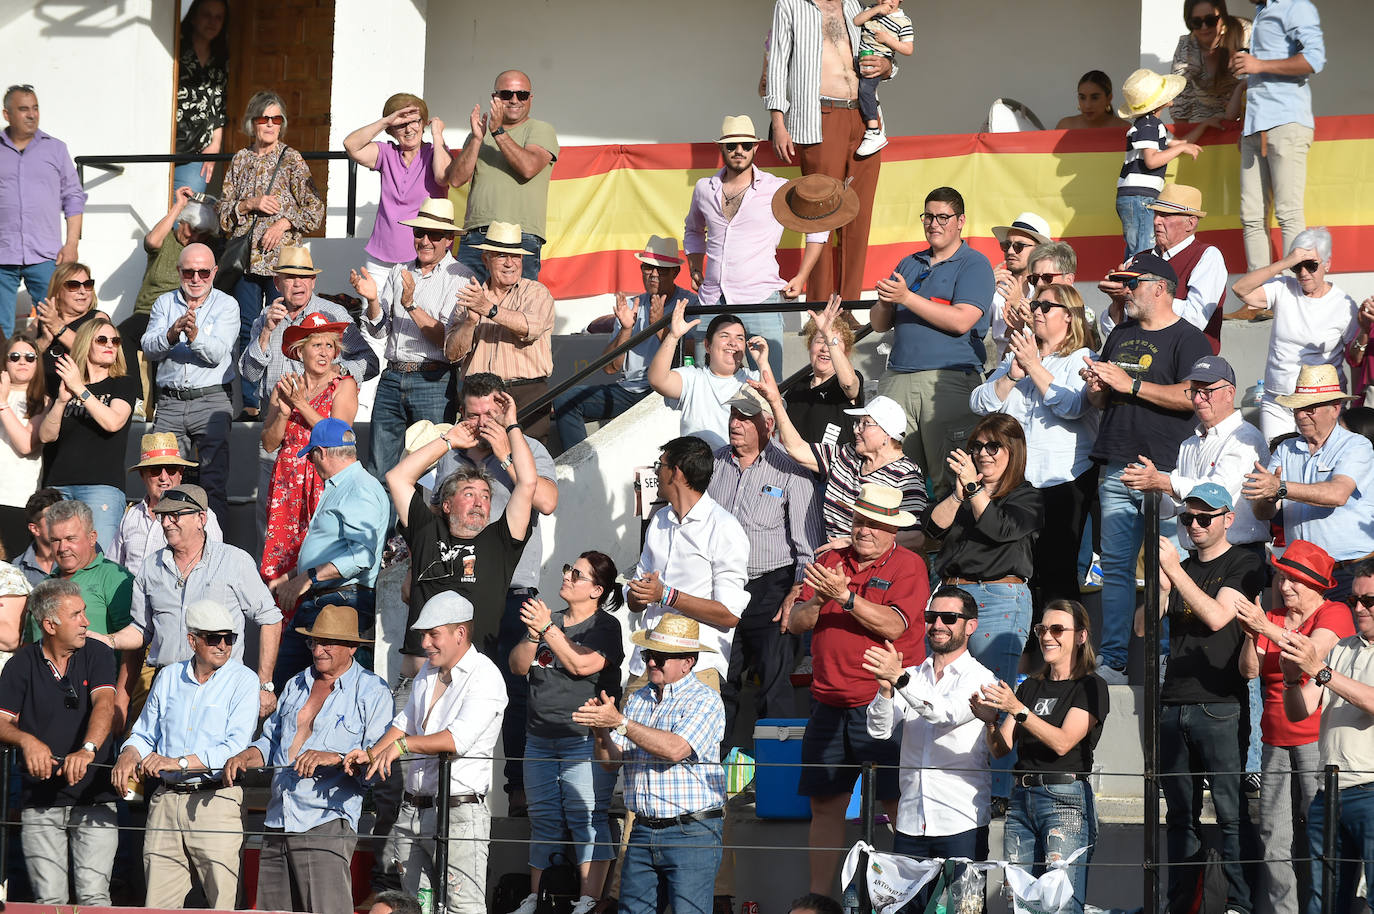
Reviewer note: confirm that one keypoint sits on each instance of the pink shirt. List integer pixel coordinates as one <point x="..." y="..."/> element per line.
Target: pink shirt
<point x="404" y="188"/>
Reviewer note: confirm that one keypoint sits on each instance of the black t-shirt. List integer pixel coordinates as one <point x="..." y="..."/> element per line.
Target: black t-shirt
<point x="1204" y="664"/>
<point x="555" y="693"/>
<point x="812" y="409"/>
<point x="1051" y="701"/>
<point x="479" y="568"/>
<point x="32" y="693"/>
<point x="84" y="454"/>
<point x="1131" y="426"/>
<point x="55" y="350"/>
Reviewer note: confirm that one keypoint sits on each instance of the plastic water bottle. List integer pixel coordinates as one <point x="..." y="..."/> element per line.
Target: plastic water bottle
<point x="1254" y="395"/>
<point x="688" y="361"/>
<point x="851" y="898"/>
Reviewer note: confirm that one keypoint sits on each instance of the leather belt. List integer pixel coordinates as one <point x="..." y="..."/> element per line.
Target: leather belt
<point x="1009" y="579"/>
<point x="839" y="102"/>
<point x="685" y="819"/>
<point x="423" y="802"/>
<point x="519" y="382"/>
<point x="192" y="393"/>
<point x="342" y="588"/>
<point x="1040" y="780"/>
<point x="411" y="367"/>
<point x="192" y="786"/>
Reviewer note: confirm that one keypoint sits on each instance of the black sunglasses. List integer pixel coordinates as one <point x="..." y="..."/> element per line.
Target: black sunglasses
<point x="196" y="274"/>
<point x="69" y="699"/>
<point x="1043" y="305"/>
<point x="1310" y="266"/>
<point x="949" y="619"/>
<point x="183" y="498"/>
<point x="991" y="448"/>
<point x="658" y="657"/>
<point x="1363" y="599"/>
<point x="731" y="147"/>
<point x="1036" y="279"/>
<point x="26" y="356"/>
<point x="1014" y="247"/>
<point x="215" y="639"/>
<point x="1197" y="22"/>
<point x="507" y="94"/>
<point x="1202" y="520"/>
<point x="71" y="285"/>
<point x="1056" y="631"/>
<point x="431" y="234"/>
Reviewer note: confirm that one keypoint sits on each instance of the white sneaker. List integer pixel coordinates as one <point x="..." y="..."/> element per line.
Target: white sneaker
<point x="528" y="905"/>
<point x="584" y="905"/>
<point x="1111" y="675"/>
<point x="874" y="139"/>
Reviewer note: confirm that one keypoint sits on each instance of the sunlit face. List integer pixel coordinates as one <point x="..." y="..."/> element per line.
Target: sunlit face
<point x="184" y="529"/>
<point x="1093" y="103"/>
<point x="741" y="156"/>
<point x="159" y="479"/>
<point x="22" y="114"/>
<point x="74" y="544"/>
<point x="1172" y="228"/>
<point x="296" y="291"/>
<point x="197" y="266"/>
<point x="74" y="295"/>
<point x="68" y="629"/>
<point x="212" y="655"/>
<point x="947" y="639"/>
<point x="1017" y="252"/>
<point x="1210" y="535"/>
<point x="431" y="245"/>
<point x="513" y="110"/>
<point x="725" y="349"/>
<point x="818" y="353"/>
<point x="1312" y="282"/>
<point x="942" y="236"/>
<point x="1058" y="649"/>
<point x="869" y="437"/>
<point x="409" y="133"/>
<point x="22" y="369"/>
<point x="317" y="353"/>
<point x="503" y="266"/>
<point x="663" y="668"/>
<point x="1296" y="594"/>
<point x="331" y="658"/>
<point x="104" y="353"/>
<point x="990" y="466"/>
<point x="1212" y="402"/>
<point x="870" y="538"/>
<point x="269" y="133"/>
<point x="1050" y="325"/>
<point x="748" y="433"/>
<point x="209" y="20"/>
<point x="1316" y="422"/>
<point x="1140" y="300"/>
<point x="658" y="280"/>
<point x="1364" y="615"/>
<point x="469" y="508"/>
<point x="443" y="645"/>
<point x="579" y="585"/>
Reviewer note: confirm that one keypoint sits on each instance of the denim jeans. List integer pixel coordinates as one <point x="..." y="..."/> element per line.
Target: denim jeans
<point x="1354" y="843"/>
<point x="107" y="507"/>
<point x="468" y="255"/>
<point x="1137" y="223"/>
<point x="35" y="277"/>
<point x="187" y="174"/>
<point x="675" y="865"/>
<point x="1045" y="824"/>
<point x="404" y="398"/>
<point x="1194" y="739"/>
<point x="597" y="402"/>
<point x="251" y="292"/>
<point x="972" y="844"/>
<point x="1004" y="620"/>
<point x="293" y="655"/>
<point x="1123" y="527"/>
<point x="411" y="846"/>
<point x="1288" y="782"/>
<point x="85" y="835"/>
<point x="567" y="791"/>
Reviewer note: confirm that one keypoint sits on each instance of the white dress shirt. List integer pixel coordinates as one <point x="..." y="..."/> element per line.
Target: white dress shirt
<point x="704" y="554"/>
<point x="1222" y="455"/>
<point x="436" y="293"/>
<point x="471" y="709"/>
<point x="944" y="777"/>
<point x="1205" y="286"/>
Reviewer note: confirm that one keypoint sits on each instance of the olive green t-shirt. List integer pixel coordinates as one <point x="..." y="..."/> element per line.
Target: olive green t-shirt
<point x="498" y="195"/>
<point x="160" y="275"/>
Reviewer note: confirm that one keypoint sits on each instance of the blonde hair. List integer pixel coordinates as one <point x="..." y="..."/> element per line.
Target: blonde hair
<point x="64" y="272"/>
<point x="81" y="348"/>
<point x="332" y="336"/>
<point x="1079" y="334"/>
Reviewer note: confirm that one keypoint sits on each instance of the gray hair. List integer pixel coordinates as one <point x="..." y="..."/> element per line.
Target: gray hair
<point x="461" y="475"/>
<point x="259" y="103"/>
<point x="46" y="598"/>
<point x="398" y="902"/>
<point x="341" y="452"/>
<point x="1063" y="256"/>
<point x="1315" y="239"/>
<point x="63" y="511"/>
<point x="1170" y="285"/>
<point x="199" y="215"/>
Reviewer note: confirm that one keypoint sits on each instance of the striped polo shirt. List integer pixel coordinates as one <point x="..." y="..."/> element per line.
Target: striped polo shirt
<point x="1148" y="132"/>
<point x="842" y="468"/>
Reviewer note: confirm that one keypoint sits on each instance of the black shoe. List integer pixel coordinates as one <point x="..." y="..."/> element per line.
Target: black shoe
<point x="247" y="415"/>
<point x="999" y="807"/>
<point x="725" y="904"/>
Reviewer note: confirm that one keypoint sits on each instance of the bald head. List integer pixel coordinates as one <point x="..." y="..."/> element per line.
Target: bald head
<point x="511" y="84"/>
<point x="197" y="267"/>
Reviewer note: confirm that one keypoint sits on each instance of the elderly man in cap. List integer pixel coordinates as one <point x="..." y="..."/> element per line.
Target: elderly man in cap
<point x="776" y="503"/>
<point x="409" y="313"/>
<point x="668" y="740"/>
<point x="1200" y="268"/>
<point x="326" y="711"/>
<point x="659" y="265"/>
<point x="1139" y="383"/>
<point x="341" y="554"/>
<point x="735" y="224"/>
<point x="1322" y="480"/>
<point x="1011" y="301"/>
<point x="863" y="595"/>
<point x="455" y="707"/>
<point x="191" y="332"/>
<point x="160" y="468"/>
<point x="200" y="713"/>
<point x="192" y="569"/>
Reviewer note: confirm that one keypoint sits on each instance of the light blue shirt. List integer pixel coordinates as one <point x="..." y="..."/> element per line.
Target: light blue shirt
<point x="349" y="527"/>
<point x="355" y="714"/>
<point x="213" y="720"/>
<point x="207" y="361"/>
<point x="1346" y="532"/>
<point x="1282" y="29"/>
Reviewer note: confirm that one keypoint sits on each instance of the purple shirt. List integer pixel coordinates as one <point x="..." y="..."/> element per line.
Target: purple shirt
<point x="741" y="254"/>
<point x="34" y="186"/>
<point x="404" y="188"/>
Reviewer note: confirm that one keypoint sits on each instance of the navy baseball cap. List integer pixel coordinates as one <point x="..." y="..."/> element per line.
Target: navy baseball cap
<point x="328" y="432"/>
<point x="1211" y="495"/>
<point x="1212" y="368"/>
<point x="1146" y="262"/>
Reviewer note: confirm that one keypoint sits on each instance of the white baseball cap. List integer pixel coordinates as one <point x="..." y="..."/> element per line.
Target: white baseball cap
<point x="208" y="616"/>
<point x="890" y="417"/>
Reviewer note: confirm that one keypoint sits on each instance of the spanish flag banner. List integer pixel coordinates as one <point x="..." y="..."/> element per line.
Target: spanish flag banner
<point x="605" y="201"/>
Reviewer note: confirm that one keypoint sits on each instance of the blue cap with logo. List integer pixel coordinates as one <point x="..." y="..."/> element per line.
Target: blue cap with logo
<point x="328" y="433"/>
<point x="1210" y="369"/>
<point x="1211" y="495"/>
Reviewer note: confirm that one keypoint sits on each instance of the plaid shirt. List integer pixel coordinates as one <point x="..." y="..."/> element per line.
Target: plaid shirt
<point x="658" y="788"/>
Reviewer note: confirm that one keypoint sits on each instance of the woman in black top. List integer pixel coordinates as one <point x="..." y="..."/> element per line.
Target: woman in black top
<point x="69" y="305"/>
<point x="1054" y="720"/>
<point x="202" y="84"/>
<point x="570" y="657"/>
<point x="817" y="407"/>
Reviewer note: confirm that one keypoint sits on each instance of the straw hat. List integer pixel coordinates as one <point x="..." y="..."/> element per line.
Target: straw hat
<point x="435" y="213"/>
<point x="660" y="252"/>
<point x="295" y="261"/>
<point x="1178" y="200"/>
<point x="674" y="634"/>
<point x="423" y="433"/>
<point x="336" y="623"/>
<point x="503" y="238"/>
<point x="160" y="449"/>
<point x="1308" y="563"/>
<point x="1027" y="223"/>
<point x="1145" y="90"/>
<point x="738" y="127"/>
<point x="1316" y="384"/>
<point x="883" y="504"/>
<point x="815" y="203"/>
<point x="314" y="322"/>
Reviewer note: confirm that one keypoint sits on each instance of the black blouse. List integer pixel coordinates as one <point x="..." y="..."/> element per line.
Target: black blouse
<point x="1000" y="543"/>
<point x="201" y="105"/>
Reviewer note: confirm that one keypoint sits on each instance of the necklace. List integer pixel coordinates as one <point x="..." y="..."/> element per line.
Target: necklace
<point x="183" y="578"/>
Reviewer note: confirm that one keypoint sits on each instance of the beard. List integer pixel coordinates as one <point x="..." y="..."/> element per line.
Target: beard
<point x="955" y="643"/>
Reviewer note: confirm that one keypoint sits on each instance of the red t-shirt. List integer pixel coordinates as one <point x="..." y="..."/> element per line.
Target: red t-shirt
<point x="1275" y="727"/>
<point x="898" y="579"/>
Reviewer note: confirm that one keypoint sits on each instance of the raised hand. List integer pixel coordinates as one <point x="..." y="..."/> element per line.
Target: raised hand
<point x="363" y="283"/>
<point x="275" y="314"/>
<point x="477" y="123"/>
<point x="681" y="326"/>
<point x="624" y="311"/>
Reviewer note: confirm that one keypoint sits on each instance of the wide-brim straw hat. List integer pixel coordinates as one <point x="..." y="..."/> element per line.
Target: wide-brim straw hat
<point x="1178" y="200"/>
<point x="1145" y="90"/>
<point x="336" y="623"/>
<point x="883" y="504"/>
<point x="738" y="127"/>
<point x="1316" y="384"/>
<point x="435" y="213"/>
<point x="674" y="634"/>
<point x="1028" y="223"/>
<point x="294" y="260"/>
<point x="660" y="252"/>
<point x="504" y="238"/>
<point x="160" y="449"/>
<point x="314" y="322"/>
<point x="815" y="203"/>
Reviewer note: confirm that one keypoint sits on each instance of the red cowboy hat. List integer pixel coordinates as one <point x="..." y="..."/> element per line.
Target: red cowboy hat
<point x="1308" y="563"/>
<point x="314" y="322"/>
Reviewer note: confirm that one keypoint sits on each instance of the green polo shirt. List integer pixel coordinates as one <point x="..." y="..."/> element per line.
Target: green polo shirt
<point x="108" y="589"/>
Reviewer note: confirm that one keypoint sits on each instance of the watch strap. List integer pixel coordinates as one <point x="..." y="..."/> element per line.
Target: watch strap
<point x="1021" y="716"/>
<point x="902" y="680"/>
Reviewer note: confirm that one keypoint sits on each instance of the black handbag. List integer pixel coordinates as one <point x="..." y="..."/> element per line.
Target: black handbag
<point x="237" y="255"/>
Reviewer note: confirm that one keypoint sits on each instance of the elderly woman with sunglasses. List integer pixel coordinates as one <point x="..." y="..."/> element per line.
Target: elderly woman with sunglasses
<point x="23" y="400"/>
<point x="69" y="305"/>
<point x="1038" y="385"/>
<point x="1315" y="322"/>
<point x="571" y="657"/>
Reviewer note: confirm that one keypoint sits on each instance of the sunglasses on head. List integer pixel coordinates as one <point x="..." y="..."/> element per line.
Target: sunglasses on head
<point x="1036" y="279"/>
<point x="26" y="356"/>
<point x="215" y="639"/>
<point x="942" y="218"/>
<point x="991" y="448"/>
<point x="1056" y="631"/>
<point x="1188" y="518"/>
<point x="104" y="340"/>
<point x="263" y="119"/>
<point x="1363" y="599"/>
<point x="71" y="285"/>
<point x="431" y="234"/>
<point x="197" y="274"/>
<point x="1043" y="305"/>
<point x="1014" y="247"/>
<point x="744" y="145"/>
<point x="1197" y="22"/>
<point x="507" y="94"/>
<point x="949" y="619"/>
<point x="1310" y="266"/>
<point x="575" y="574"/>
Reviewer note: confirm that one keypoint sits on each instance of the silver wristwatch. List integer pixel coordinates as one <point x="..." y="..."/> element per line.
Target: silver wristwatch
<point x="183" y="763"/>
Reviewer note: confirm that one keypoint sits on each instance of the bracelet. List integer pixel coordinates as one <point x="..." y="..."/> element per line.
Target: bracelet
<point x="401" y="744"/>
<point x="508" y="462"/>
<point x="515" y="425"/>
<point x="669" y="596"/>
<point x="546" y="626"/>
<point x="1358" y="347"/>
<point x="532" y="639"/>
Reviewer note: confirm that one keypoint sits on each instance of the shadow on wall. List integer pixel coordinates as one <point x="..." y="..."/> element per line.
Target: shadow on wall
<point x="89" y="19"/>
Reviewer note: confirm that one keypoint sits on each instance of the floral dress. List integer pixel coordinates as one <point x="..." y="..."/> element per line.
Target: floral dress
<point x="296" y="491"/>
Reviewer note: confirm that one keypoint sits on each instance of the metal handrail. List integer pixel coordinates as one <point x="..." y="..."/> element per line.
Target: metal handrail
<point x="114" y="164"/>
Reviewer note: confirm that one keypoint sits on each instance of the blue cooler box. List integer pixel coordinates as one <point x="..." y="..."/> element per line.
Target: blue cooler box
<point x="777" y="753"/>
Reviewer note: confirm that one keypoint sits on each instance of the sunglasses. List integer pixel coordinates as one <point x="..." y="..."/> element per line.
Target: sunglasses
<point x="215" y="639"/>
<point x="26" y="356"/>
<point x="949" y="619"/>
<point x="432" y="234"/>
<point x="184" y="499"/>
<point x="263" y="119"/>
<point x="69" y="699"/>
<point x="1363" y="599"/>
<point x="1133" y="282"/>
<point x="575" y="574"/>
<point x="22" y="87"/>
<point x="197" y="274"/>
<point x="1310" y="266"/>
<point x="942" y="218"/>
<point x="104" y="340"/>
<point x="1014" y="247"/>
<point x="160" y="471"/>
<point x="1188" y="518"/>
<point x="658" y="658"/>
<point x="1056" y="631"/>
<point x="507" y="94"/>
<point x="1197" y="22"/>
<point x="1043" y="305"/>
<point x="731" y="147"/>
<point x="313" y="643"/>
<point x="991" y="448"/>
<point x="71" y="285"/>
<point x="1036" y="279"/>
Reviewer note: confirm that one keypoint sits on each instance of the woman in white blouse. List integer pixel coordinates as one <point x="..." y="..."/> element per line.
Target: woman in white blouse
<point x="1037" y="383"/>
<point x="22" y="395"/>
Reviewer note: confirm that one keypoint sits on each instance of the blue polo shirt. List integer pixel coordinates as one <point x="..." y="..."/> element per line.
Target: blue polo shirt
<point x="963" y="279"/>
<point x="1346" y="532"/>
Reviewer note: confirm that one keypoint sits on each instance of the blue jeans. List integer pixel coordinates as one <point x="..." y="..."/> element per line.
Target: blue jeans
<point x="404" y="398"/>
<point x="252" y="292"/>
<point x="1194" y="739"/>
<point x="567" y="790"/>
<point x="972" y="844"/>
<point x="187" y="174"/>
<point x="497" y="648"/>
<point x="1048" y="823"/>
<point x="1137" y="223"/>
<point x="1123" y="527"/>
<point x="107" y="506"/>
<point x="468" y="255"/>
<point x="1004" y="620"/>
<point x="1354" y="842"/>
<point x="293" y="655"/>
<point x="35" y="277"/>
<point x="675" y="865"/>
<point x="598" y="402"/>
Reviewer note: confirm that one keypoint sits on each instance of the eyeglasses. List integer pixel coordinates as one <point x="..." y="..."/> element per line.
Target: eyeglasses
<point x="1056" y="631"/>
<point x="991" y="448"/>
<point x="197" y="274"/>
<point x="575" y="573"/>
<point x="1043" y="305"/>
<point x="942" y="218"/>
<point x="104" y="340"/>
<point x="26" y="356"/>
<point x="263" y="119"/>
<point x="659" y="658"/>
<point x="1310" y="266"/>
<point x="863" y="425"/>
<point x="507" y="94"/>
<point x="731" y="147"/>
<point x="1036" y="279"/>
<point x="431" y="234"/>
<point x="1188" y="518"/>
<point x="215" y="639"/>
<point x="71" y="285"/>
<point x="1363" y="599"/>
<point x="325" y="643"/>
<point x="949" y="619"/>
<point x="69" y="699"/>
<point x="1205" y="393"/>
<point x="1014" y="247"/>
<point x="1197" y="22"/>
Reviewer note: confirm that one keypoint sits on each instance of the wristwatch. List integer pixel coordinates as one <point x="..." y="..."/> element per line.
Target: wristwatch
<point x="1323" y="676"/>
<point x="491" y="315"/>
<point x="849" y="603"/>
<point x="85" y="395"/>
<point x="1282" y="493"/>
<point x="1021" y="716"/>
<point x="833" y="341"/>
<point x="498" y="131"/>
<point x="88" y="746"/>
<point x="902" y="680"/>
<point x="269" y="687"/>
<point x="183" y="763"/>
<point x="620" y="727"/>
<point x="972" y="488"/>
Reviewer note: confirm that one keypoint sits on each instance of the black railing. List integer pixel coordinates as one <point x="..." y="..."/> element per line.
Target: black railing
<point x="115" y="165"/>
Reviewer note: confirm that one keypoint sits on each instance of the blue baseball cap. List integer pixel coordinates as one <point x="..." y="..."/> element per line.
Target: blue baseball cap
<point x="327" y="433"/>
<point x="1211" y="495"/>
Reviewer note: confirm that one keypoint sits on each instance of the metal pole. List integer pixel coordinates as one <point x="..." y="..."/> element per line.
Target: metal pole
<point x="1151" y="722"/>
<point x="352" y="196"/>
<point x="1331" y="807"/>
<point x="5" y="758"/>
<point x="441" y="829"/>
<point x="866" y="800"/>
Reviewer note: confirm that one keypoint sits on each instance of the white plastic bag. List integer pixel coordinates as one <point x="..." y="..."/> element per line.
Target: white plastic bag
<point x="1052" y="893"/>
<point x="892" y="879"/>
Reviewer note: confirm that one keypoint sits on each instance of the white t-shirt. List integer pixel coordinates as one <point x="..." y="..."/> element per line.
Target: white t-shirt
<point x="18" y="475"/>
<point x="704" y="395"/>
<point x="1307" y="331"/>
